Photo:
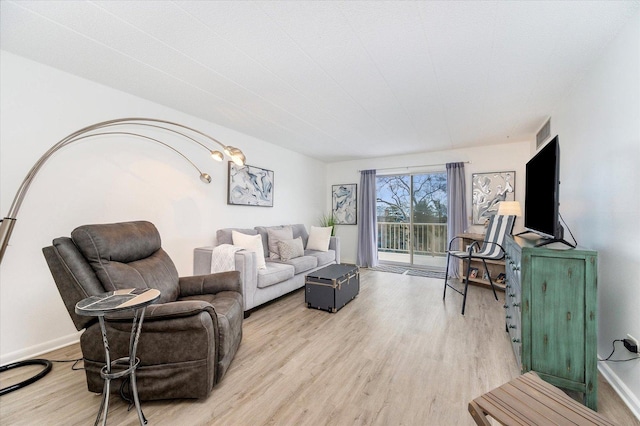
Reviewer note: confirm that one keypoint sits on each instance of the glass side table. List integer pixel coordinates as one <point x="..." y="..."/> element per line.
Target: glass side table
<point x="136" y="299"/>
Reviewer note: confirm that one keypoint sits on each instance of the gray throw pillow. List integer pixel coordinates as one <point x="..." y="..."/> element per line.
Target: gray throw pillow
<point x="275" y="235"/>
<point x="290" y="249"/>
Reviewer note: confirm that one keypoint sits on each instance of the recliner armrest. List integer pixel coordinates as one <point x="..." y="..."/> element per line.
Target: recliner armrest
<point x="162" y="311"/>
<point x="210" y="284"/>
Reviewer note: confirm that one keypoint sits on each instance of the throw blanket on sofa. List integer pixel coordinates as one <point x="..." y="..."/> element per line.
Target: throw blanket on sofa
<point x="223" y="258"/>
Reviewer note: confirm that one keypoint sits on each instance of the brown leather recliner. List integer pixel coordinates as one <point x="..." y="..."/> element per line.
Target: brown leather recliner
<point x="189" y="336"/>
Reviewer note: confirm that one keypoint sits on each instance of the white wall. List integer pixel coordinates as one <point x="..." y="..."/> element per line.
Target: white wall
<point x="599" y="130"/>
<point x="501" y="157"/>
<point x="101" y="181"/>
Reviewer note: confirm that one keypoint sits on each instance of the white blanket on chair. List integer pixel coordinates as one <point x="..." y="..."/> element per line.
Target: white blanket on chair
<point x="223" y="258"/>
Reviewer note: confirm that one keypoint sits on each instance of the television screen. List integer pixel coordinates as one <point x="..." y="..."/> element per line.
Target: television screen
<point x="542" y="192"/>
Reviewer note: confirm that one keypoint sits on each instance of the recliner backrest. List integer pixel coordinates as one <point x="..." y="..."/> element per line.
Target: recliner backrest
<point x="128" y="255"/>
<point x="73" y="276"/>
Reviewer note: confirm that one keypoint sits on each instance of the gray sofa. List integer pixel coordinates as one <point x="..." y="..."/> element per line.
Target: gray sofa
<point x="279" y="277"/>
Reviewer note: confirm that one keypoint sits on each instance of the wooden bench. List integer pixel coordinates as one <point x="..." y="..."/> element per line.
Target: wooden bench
<point x="529" y="400"/>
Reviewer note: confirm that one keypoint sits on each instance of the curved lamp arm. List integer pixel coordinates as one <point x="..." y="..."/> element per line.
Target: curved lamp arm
<point x="7" y="224"/>
<point x="235" y="154"/>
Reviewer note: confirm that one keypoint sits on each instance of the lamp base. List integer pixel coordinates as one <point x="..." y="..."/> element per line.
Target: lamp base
<point x="47" y="367"/>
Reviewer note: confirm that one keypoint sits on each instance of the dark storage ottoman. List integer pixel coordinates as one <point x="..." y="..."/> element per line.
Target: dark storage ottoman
<point x="332" y="287"/>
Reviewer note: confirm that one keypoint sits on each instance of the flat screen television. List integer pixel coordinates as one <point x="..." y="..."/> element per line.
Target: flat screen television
<point x="542" y="194"/>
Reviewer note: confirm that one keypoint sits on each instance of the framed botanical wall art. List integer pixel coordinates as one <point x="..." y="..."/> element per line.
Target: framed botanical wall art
<point x="249" y="186"/>
<point x="344" y="202"/>
<point x="488" y="190"/>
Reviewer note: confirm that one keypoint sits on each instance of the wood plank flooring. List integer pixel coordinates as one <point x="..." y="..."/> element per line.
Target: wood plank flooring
<point x="396" y="355"/>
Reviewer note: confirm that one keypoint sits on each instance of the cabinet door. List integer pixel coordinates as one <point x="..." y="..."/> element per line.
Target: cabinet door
<point x="557" y="301"/>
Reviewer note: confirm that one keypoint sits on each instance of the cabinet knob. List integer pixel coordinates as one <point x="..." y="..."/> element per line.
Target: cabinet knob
<point x="515" y="340"/>
<point x="516" y="304"/>
<point x="508" y="317"/>
<point x="505" y="306"/>
<point x="512" y="326"/>
<point x="512" y="295"/>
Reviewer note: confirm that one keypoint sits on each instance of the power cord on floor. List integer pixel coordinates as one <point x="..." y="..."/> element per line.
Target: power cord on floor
<point x="125" y="394"/>
<point x="47" y="368"/>
<point x="74" y="361"/>
<point x="608" y="359"/>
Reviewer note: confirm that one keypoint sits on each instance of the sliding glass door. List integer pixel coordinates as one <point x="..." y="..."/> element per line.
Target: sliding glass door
<point x="412" y="218"/>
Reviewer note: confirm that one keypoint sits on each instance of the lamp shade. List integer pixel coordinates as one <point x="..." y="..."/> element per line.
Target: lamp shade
<point x="509" y="208"/>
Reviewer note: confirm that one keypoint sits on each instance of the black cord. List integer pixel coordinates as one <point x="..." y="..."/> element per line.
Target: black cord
<point x="621" y="360"/>
<point x="74" y="361"/>
<point x="614" y="349"/>
<point x="575" y="242"/>
<point x="125" y="394"/>
<point x="607" y="359"/>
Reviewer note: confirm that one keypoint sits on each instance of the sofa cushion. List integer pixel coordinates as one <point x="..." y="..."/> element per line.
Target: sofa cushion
<point x="275" y="273"/>
<point x="284" y="233"/>
<point x="224" y="236"/>
<point x="319" y="238"/>
<point x="290" y="249"/>
<point x="251" y="243"/>
<point x="303" y="263"/>
<point x="324" y="257"/>
<point x="299" y="230"/>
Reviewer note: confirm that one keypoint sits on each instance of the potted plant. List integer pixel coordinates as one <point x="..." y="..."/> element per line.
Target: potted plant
<point x="328" y="220"/>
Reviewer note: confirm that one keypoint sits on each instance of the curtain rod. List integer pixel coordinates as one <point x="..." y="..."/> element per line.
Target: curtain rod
<point x="422" y="165"/>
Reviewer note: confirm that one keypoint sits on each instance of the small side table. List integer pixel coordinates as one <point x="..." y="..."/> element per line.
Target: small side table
<point x="108" y="303"/>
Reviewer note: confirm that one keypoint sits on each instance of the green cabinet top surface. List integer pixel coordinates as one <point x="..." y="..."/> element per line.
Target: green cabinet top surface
<point x="555" y="249"/>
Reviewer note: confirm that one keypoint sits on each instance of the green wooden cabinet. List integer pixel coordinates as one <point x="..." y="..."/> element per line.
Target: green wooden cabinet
<point x="551" y="307"/>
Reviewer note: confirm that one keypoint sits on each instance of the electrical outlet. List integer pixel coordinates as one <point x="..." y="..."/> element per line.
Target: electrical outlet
<point x="631" y="343"/>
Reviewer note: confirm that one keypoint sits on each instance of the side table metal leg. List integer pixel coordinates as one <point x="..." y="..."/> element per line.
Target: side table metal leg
<point x="106" y="391"/>
<point x="104" y="405"/>
<point x="133" y="347"/>
<point x="134" y="389"/>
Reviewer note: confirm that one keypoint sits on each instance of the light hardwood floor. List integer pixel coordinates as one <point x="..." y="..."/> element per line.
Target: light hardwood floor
<point x="396" y="355"/>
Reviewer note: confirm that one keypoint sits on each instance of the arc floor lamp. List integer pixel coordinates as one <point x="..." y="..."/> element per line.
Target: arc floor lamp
<point x="144" y="128"/>
<point x="134" y="127"/>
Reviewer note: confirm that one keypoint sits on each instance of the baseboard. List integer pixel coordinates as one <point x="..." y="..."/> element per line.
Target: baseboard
<point x="35" y="351"/>
<point x="621" y="389"/>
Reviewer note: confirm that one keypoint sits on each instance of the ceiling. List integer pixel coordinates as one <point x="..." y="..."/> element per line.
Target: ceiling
<point x="334" y="80"/>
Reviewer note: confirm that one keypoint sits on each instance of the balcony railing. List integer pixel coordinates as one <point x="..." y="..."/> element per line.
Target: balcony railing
<point x="428" y="238"/>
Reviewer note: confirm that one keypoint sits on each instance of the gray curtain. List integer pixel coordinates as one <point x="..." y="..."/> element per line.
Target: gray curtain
<point x="367" y="221"/>
<point x="456" y="207"/>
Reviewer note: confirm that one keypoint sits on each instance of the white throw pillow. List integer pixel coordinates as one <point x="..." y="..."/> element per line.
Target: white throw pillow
<point x="251" y="243"/>
<point x="319" y="238"/>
